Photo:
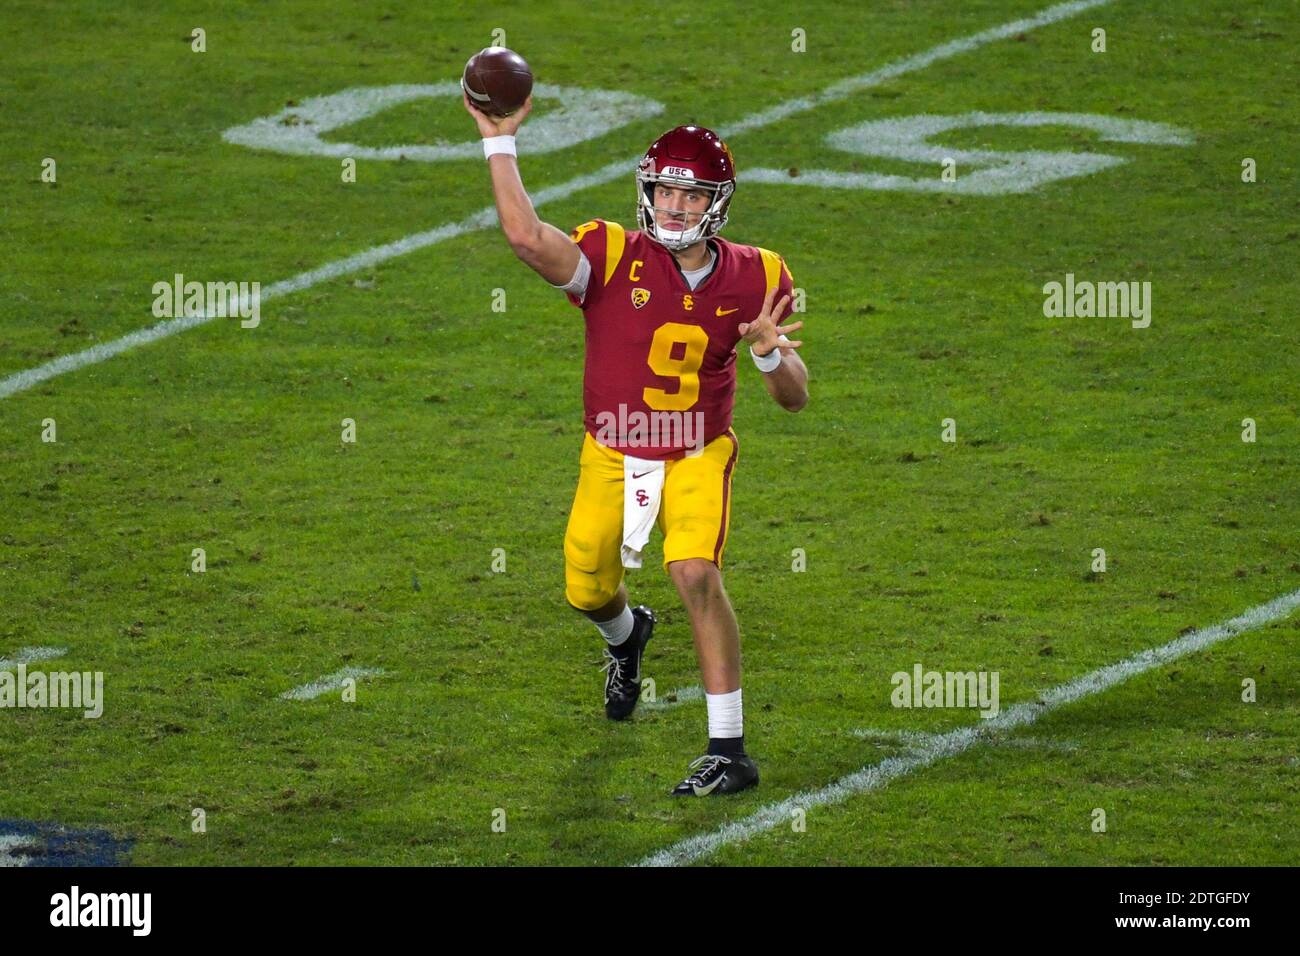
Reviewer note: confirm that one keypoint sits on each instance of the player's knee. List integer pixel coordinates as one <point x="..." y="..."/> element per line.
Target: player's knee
<point x="585" y="592"/>
<point x="697" y="579"/>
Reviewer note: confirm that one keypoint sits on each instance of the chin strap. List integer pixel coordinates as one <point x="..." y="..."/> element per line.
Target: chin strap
<point x="678" y="242"/>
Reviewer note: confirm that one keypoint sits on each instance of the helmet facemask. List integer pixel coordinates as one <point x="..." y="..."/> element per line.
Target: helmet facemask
<point x="712" y="219"/>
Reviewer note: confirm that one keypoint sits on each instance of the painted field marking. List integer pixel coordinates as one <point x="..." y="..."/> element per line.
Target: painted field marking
<point x="985" y="172"/>
<point x="42" y="844"/>
<point x="487" y="217"/>
<point x="920" y="738"/>
<point x="27" y="655"/>
<point x="955" y="742"/>
<point x="682" y="695"/>
<point x="583" y="114"/>
<point x="9" y="843"/>
<point x="331" y="682"/>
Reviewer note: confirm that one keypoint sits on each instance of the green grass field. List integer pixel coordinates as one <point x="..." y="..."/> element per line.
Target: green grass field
<point x="1071" y="434"/>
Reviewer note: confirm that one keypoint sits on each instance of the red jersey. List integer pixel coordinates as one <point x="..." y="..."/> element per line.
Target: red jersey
<point x="660" y="377"/>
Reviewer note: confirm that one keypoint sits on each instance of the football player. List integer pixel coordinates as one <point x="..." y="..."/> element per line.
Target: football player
<point x="666" y="305"/>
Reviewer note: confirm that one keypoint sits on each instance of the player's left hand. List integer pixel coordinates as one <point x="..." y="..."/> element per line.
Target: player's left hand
<point x="763" y="333"/>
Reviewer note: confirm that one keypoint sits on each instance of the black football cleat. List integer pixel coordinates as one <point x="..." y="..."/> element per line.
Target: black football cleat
<point x="717" y="774"/>
<point x="623" y="666"/>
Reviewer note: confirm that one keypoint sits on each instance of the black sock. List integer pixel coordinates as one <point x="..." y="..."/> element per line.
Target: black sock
<point x="727" y="746"/>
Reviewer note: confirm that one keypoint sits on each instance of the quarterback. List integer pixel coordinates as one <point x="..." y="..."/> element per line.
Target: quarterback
<point x="665" y="305"/>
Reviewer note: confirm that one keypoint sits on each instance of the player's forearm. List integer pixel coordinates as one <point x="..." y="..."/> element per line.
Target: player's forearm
<point x="519" y="220"/>
<point x="788" y="382"/>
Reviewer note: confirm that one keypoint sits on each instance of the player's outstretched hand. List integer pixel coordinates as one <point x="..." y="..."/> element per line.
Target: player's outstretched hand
<point x="763" y="333"/>
<point x="497" y="125"/>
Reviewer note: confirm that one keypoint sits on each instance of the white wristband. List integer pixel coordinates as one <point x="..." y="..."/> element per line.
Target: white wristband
<point x="769" y="362"/>
<point x="499" y="144"/>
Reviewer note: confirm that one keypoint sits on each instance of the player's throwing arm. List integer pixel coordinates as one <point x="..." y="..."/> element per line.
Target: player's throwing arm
<point x="541" y="246"/>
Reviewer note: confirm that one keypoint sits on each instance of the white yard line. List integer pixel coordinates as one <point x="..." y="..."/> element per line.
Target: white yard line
<point x="487" y="217"/>
<point x="330" y="682"/>
<point x="920" y="738"/>
<point x="941" y="746"/>
<point x="682" y="695"/>
<point x="27" y="655"/>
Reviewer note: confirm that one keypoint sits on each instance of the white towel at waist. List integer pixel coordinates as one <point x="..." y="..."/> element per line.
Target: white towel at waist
<point x="643" y="490"/>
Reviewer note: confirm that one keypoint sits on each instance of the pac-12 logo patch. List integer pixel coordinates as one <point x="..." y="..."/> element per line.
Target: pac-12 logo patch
<point x="640" y="297"/>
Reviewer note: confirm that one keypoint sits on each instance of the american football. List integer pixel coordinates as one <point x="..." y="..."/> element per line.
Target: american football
<point x="734" y="436"/>
<point x="497" y="80"/>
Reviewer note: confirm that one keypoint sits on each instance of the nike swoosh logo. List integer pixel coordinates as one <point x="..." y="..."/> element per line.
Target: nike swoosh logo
<point x="635" y="476"/>
<point x="705" y="791"/>
<point x="720" y="311"/>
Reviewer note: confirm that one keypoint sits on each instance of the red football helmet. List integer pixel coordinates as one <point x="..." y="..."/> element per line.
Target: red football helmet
<point x="686" y="156"/>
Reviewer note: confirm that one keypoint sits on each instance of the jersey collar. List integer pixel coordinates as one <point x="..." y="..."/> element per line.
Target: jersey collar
<point x="717" y="260"/>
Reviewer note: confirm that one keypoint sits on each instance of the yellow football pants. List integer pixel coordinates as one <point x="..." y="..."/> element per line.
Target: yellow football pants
<point x="694" y="516"/>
